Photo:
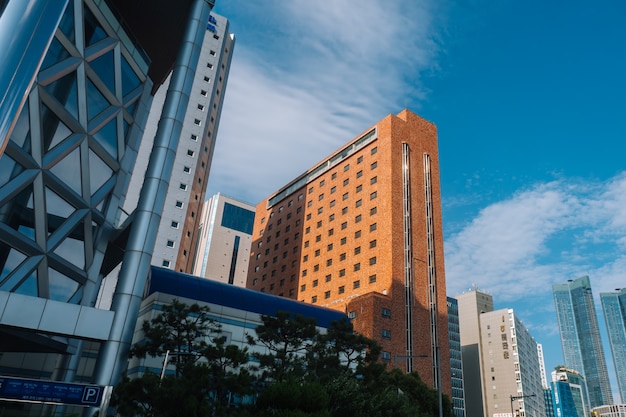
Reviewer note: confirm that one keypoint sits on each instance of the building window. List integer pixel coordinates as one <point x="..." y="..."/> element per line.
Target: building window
<point x="331" y="232"/>
<point x="344" y="210"/>
<point x="386" y="334"/>
<point x="174" y="224"/>
<point x="386" y="313"/>
<point x="332" y="203"/>
<point x="212" y="52"/>
<point x="373" y="211"/>
<point x="344" y="225"/>
<point x="359" y="203"/>
<point x="182" y="186"/>
<point x="315" y="283"/>
<point x="359" y="159"/>
<point x="204" y="93"/>
<point x="357" y="250"/>
<point x="359" y="174"/>
<point x="359" y="188"/>
<point x="329" y="262"/>
<point x="303" y="287"/>
<point x="357" y="218"/>
<point x="333" y="189"/>
<point x="341" y="289"/>
<point x="320" y="210"/>
<point x="308" y="216"/>
<point x="170" y="244"/>
<point x="374" y="150"/>
<point x="194" y="138"/>
<point x="331" y="217"/>
<point x="209" y="65"/>
<point x="328" y="277"/>
<point x="334" y="175"/>
<point x="200" y="107"/>
<point x="320" y="197"/>
<point x="373" y="195"/>
<point x="356" y="284"/>
<point x="314" y="299"/>
<point x="372" y="279"/>
<point x="345" y="196"/>
<point x="319" y="224"/>
<point x="318" y="238"/>
<point x="306" y="244"/>
<point x="327" y="294"/>
<point x="317" y="252"/>
<point x="346" y="167"/>
<point x="373" y="260"/>
<point x="197" y="122"/>
<point x="310" y="190"/>
<point x="373" y="244"/>
<point x="207" y="79"/>
<point x="352" y="315"/>
<point x="374" y="165"/>
<point x="342" y="272"/>
<point x="179" y="204"/>
<point x="316" y="268"/>
<point x="165" y="264"/>
<point x="357" y="234"/>
<point x="342" y="257"/>
<point x="190" y="152"/>
<point x="385" y="356"/>
<point x="346" y="182"/>
<point x="357" y="266"/>
<point x="373" y="180"/>
<point x="329" y="247"/>
<point x="373" y="227"/>
<point x="304" y="272"/>
<point x="343" y="240"/>
<point x="186" y="170"/>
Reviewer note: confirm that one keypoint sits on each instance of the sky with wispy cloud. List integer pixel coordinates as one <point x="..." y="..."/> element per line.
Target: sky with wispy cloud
<point x="530" y="103"/>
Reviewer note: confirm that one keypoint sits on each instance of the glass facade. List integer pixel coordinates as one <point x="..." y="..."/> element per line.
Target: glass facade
<point x="238" y="218"/>
<point x="614" y="308"/>
<point x="456" y="364"/>
<point x="580" y="337"/>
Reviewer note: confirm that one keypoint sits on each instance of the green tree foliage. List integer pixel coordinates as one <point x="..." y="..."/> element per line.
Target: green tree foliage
<point x="300" y="372"/>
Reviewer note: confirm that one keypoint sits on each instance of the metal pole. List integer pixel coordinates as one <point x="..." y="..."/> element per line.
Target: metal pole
<point x="167" y="355"/>
<point x="439" y="394"/>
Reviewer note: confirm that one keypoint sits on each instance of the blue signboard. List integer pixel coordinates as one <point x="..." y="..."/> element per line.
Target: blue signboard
<point x="41" y="391"/>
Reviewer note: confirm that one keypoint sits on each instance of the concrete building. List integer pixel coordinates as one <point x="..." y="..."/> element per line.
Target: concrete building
<point x="77" y="82"/>
<point x="179" y="224"/>
<point x="580" y="337"/>
<point x="237" y="310"/>
<point x="472" y="304"/>
<point x="510" y="366"/>
<point x="224" y="240"/>
<point x="456" y="361"/>
<point x="360" y="232"/>
<point x="614" y="308"/>
<point x="614" y="410"/>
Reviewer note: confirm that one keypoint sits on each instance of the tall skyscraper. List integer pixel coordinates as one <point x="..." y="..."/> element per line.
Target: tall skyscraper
<point x="224" y="240"/>
<point x="580" y="337"/>
<point x="179" y="224"/>
<point x="65" y="170"/>
<point x="510" y="366"/>
<point x="361" y="232"/>
<point x="471" y="305"/>
<point x="614" y="307"/>
<point x="456" y="361"/>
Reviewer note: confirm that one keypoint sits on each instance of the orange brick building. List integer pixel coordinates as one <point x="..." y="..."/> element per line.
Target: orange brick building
<point x="361" y="232"/>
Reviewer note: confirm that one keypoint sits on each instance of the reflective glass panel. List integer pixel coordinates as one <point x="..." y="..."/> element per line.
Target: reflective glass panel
<point x="57" y="206"/>
<point x="99" y="172"/>
<point x="107" y="137"/>
<point x="21" y="132"/>
<point x="95" y="101"/>
<point x="65" y="91"/>
<point x="62" y="288"/>
<point x="67" y="22"/>
<point x="28" y="286"/>
<point x="104" y="67"/>
<point x="53" y="130"/>
<point x="130" y="81"/>
<point x="8" y="169"/>
<point x="93" y="31"/>
<point x="13" y="260"/>
<point x="73" y="250"/>
<point x="56" y="53"/>
<point x="68" y="170"/>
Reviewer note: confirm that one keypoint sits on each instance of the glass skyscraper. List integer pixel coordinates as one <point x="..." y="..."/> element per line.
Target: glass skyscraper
<point x="580" y="337"/>
<point x="614" y="307"/>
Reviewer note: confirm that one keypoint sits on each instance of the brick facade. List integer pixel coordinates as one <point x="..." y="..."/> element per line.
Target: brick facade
<point x="336" y="236"/>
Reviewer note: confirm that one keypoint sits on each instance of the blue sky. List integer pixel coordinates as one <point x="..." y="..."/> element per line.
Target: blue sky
<point x="530" y="102"/>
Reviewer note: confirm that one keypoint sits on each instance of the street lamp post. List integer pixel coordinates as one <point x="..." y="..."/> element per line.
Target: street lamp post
<point x="518" y="397"/>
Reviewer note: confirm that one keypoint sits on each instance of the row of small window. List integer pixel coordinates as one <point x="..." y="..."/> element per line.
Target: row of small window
<point x="281" y="208"/>
<point x="344" y="197"/>
<point x="343" y="241"/>
<point x="355" y="284"/>
<point x="346" y="168"/>
<point x="384" y="312"/>
<point x="341" y="290"/>
<point x="359" y="188"/>
<point x="329" y="262"/>
<point x="344" y="225"/>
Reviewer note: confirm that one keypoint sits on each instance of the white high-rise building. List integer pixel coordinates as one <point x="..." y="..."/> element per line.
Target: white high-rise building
<point x="225" y="237"/>
<point x="178" y="230"/>
<point x="511" y="372"/>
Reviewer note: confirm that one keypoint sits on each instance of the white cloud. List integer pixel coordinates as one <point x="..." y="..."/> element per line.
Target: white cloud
<point x="318" y="78"/>
<point x="517" y="248"/>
